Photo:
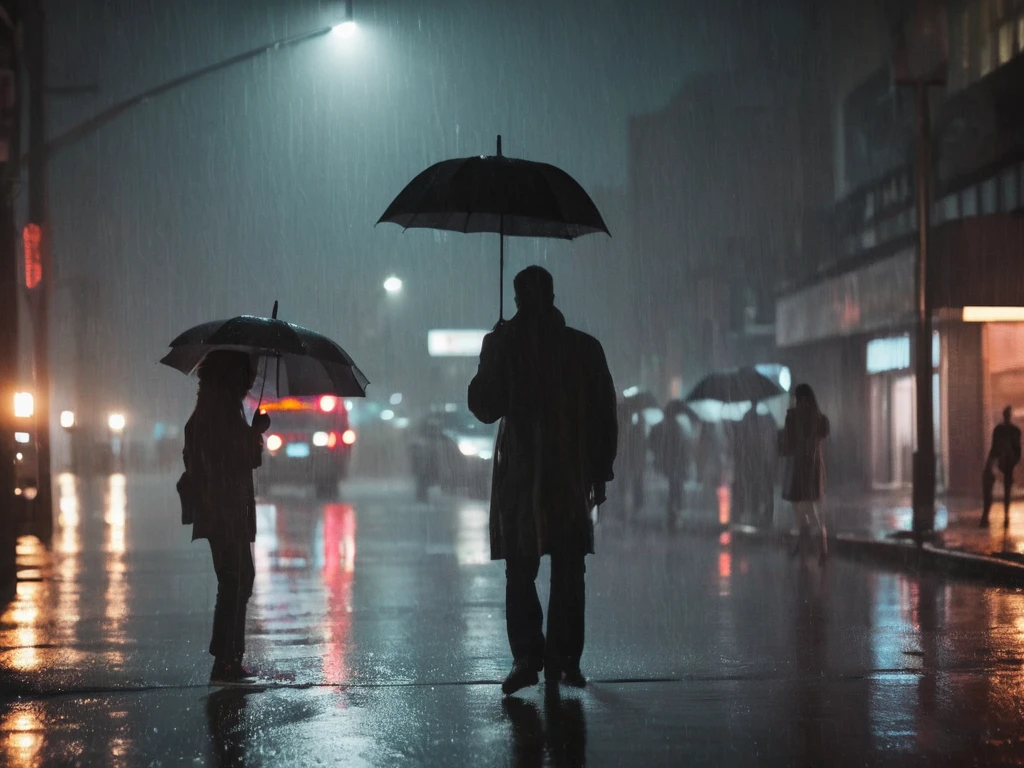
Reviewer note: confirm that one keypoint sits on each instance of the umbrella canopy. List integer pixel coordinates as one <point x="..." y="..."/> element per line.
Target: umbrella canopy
<point x="300" y="362"/>
<point x="744" y="385"/>
<point x="503" y="195"/>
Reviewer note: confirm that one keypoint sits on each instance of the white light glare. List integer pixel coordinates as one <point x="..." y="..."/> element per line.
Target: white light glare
<point x="387" y="415"/>
<point x="396" y="399"/>
<point x="346" y="29"/>
<point x="116" y="422"/>
<point x="393" y="285"/>
<point x="24" y="405"/>
<point x="67" y="419"/>
<point x="21" y="437"/>
<point x="320" y="439"/>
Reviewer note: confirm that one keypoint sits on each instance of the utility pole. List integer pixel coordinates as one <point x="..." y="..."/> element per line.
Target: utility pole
<point x="35" y="62"/>
<point x="920" y="57"/>
<point x="9" y="152"/>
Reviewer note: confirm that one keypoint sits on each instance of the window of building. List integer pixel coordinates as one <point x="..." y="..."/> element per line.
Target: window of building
<point x="986" y="29"/>
<point x="1009" y="194"/>
<point x="1007" y="47"/>
<point x="989" y="197"/>
<point x="950" y="207"/>
<point x="969" y="202"/>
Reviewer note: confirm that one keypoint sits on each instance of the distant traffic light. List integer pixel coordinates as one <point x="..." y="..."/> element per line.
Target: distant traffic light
<point x="32" y="237"/>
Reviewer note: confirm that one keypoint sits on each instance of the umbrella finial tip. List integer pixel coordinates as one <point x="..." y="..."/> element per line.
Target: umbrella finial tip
<point x="274" y="314"/>
<point x="499" y="145"/>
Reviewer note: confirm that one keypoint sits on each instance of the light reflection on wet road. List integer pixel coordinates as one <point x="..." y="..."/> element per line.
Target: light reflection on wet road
<point x="380" y="623"/>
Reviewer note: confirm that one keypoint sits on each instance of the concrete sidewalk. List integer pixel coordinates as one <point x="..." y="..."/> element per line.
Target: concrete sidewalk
<point x="873" y="526"/>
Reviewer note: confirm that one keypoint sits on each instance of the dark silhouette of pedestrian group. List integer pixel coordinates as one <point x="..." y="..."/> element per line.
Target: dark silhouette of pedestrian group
<point x="550" y="387"/>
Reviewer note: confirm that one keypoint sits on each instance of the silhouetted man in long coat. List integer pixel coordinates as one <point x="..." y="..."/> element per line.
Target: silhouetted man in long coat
<point x="550" y="386"/>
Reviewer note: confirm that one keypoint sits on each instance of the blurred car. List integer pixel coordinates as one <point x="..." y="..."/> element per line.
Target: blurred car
<point x="309" y="442"/>
<point x="450" y="449"/>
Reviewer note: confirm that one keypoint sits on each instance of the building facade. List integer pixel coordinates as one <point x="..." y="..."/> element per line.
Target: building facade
<point x="847" y="324"/>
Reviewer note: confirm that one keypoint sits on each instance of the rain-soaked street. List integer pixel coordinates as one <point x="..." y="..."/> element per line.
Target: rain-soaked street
<point x="377" y="624"/>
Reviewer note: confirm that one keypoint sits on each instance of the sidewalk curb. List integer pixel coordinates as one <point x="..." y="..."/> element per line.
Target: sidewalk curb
<point x="903" y="554"/>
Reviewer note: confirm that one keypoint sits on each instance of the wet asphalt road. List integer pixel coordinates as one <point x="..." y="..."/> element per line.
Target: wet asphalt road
<point x="379" y="625"/>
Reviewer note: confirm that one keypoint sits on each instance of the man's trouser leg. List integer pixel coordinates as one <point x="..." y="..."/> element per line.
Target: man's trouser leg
<point x="566" y="610"/>
<point x="524" y="618"/>
<point x="1007" y="494"/>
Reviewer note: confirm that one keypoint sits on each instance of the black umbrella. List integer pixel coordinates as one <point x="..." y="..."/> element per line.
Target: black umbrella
<point x="743" y="385"/>
<point x="497" y="194"/>
<point x="299" y="361"/>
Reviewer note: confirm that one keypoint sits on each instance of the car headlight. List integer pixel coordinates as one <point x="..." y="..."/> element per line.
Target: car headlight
<point x="467" y="448"/>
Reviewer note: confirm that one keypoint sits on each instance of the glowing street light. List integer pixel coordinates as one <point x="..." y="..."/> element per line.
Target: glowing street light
<point x="67" y="419"/>
<point x="116" y="422"/>
<point x="393" y="285"/>
<point x="346" y="29"/>
<point x="24" y="405"/>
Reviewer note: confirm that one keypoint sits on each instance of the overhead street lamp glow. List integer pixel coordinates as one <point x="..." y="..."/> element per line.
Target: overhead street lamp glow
<point x="346" y="29"/>
<point x="393" y="285"/>
<point x="24" y="405"/>
<point x="116" y="422"/>
<point x="67" y="419"/>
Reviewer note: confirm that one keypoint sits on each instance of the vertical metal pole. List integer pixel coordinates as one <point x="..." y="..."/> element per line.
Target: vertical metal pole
<point x="924" y="458"/>
<point x="501" y="271"/>
<point x="8" y="312"/>
<point x="35" y="53"/>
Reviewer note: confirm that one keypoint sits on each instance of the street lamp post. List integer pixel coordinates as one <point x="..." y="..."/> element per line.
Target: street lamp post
<point x="919" y="60"/>
<point x="40" y="150"/>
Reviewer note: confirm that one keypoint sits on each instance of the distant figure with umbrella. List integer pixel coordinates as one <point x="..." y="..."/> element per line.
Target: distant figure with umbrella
<point x="733" y="395"/>
<point x="669" y="446"/>
<point x="801" y="443"/>
<point x="754" y="456"/>
<point x="550" y="387"/>
<point x="222" y="449"/>
<point x="633" y="453"/>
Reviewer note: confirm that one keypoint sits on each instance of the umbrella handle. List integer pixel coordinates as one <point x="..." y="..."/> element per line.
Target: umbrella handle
<point x="273" y="315"/>
<point x="263" y="386"/>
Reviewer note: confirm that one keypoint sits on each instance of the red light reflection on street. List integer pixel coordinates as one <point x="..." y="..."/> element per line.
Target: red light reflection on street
<point x="339" y="568"/>
<point x="724" y="504"/>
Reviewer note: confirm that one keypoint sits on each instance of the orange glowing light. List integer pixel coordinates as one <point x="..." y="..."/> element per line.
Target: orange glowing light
<point x="32" y="238"/>
<point x="287" y="404"/>
<point x="724" y="504"/>
<point x="332" y="439"/>
<point x="348" y="437"/>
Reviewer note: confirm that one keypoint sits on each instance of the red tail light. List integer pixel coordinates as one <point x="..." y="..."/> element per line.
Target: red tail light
<point x="332" y="439"/>
<point x="348" y="437"/>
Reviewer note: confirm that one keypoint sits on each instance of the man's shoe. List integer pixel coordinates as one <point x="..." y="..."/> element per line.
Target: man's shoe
<point x="231" y="673"/>
<point x="523" y="674"/>
<point x="574" y="678"/>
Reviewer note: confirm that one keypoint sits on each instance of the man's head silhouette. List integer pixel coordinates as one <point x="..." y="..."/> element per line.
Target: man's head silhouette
<point x="535" y="290"/>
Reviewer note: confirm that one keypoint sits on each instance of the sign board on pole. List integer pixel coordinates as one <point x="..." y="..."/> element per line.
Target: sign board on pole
<point x="454" y="343"/>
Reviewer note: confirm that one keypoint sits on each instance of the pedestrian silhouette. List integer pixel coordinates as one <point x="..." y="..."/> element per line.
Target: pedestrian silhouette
<point x="221" y="450"/>
<point x="669" y="447"/>
<point x="550" y="386"/>
<point x="1004" y="455"/>
<point x="633" y="454"/>
<point x="754" y="454"/>
<point x="800" y="442"/>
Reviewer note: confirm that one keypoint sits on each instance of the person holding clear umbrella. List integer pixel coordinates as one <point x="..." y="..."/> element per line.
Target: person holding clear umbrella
<point x="801" y="443"/>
